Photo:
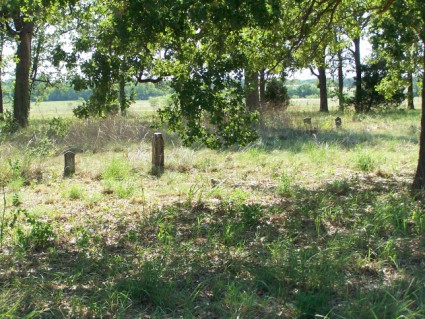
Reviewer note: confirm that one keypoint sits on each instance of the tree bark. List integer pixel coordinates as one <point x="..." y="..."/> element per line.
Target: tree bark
<point x="358" y="94"/>
<point x="122" y="97"/>
<point x="410" y="104"/>
<point x="340" y="82"/>
<point x="323" y="90"/>
<point x="1" y="85"/>
<point x="262" y="87"/>
<point x="252" y="94"/>
<point x="21" y="101"/>
<point x="419" y="180"/>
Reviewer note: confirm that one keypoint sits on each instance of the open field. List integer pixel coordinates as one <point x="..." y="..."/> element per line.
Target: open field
<point x="64" y="108"/>
<point x="47" y="110"/>
<point x="291" y="226"/>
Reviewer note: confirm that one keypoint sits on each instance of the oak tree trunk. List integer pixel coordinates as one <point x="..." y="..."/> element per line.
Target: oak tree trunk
<point x="358" y="94"/>
<point x="122" y="97"/>
<point x="340" y="82"/>
<point x="262" y="87"/>
<point x="419" y="181"/>
<point x="252" y="94"/>
<point x="410" y="105"/>
<point x="21" y="101"/>
<point x="1" y="86"/>
<point x="323" y="90"/>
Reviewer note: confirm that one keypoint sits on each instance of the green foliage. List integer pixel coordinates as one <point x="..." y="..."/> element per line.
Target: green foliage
<point x="285" y="186"/>
<point x="365" y="162"/>
<point x="312" y="303"/>
<point x="208" y="110"/>
<point x="8" y="125"/>
<point x="117" y="170"/>
<point x="303" y="90"/>
<point x="277" y="94"/>
<point x="34" y="234"/>
<point x="339" y="187"/>
<point x="148" y="286"/>
<point x="371" y="97"/>
<point x="75" y="192"/>
<point x="57" y="128"/>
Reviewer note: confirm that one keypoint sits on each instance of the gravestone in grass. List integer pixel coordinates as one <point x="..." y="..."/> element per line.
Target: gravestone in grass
<point x="69" y="169"/>
<point x="338" y="122"/>
<point x="157" y="154"/>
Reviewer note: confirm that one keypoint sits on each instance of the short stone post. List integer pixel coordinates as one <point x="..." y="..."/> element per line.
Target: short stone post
<point x="307" y="121"/>
<point x="338" y="122"/>
<point x="157" y="154"/>
<point x="69" y="169"/>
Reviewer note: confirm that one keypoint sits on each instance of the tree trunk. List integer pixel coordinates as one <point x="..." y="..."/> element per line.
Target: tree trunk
<point x="123" y="105"/>
<point x="358" y="95"/>
<point x="1" y="85"/>
<point x="262" y="87"/>
<point x="21" y="101"/>
<point x="340" y="82"/>
<point x="323" y="90"/>
<point x="410" y="105"/>
<point x="251" y="89"/>
<point x="419" y="181"/>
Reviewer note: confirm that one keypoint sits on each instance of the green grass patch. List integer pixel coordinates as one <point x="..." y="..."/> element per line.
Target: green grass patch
<point x="293" y="226"/>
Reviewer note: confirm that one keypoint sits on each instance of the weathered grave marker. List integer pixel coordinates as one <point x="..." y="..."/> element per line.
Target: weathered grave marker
<point x="157" y="153"/>
<point x="338" y="122"/>
<point x="69" y="169"/>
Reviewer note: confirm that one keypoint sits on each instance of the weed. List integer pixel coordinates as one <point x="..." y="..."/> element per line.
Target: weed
<point x="312" y="242"/>
<point x="117" y="170"/>
<point x="124" y="190"/>
<point x="37" y="235"/>
<point x="285" y="185"/>
<point x="16" y="201"/>
<point x="365" y="163"/>
<point x="3" y="216"/>
<point x="92" y="199"/>
<point x="9" y="125"/>
<point x="418" y="218"/>
<point x="148" y="286"/>
<point x="75" y="192"/>
<point x="194" y="190"/>
<point x="339" y="187"/>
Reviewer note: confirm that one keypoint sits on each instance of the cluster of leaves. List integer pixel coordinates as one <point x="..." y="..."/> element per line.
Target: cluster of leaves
<point x="32" y="233"/>
<point x="371" y="97"/>
<point x="277" y="94"/>
<point x="208" y="106"/>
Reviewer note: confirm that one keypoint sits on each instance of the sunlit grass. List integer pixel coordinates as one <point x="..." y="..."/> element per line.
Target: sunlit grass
<point x="294" y="225"/>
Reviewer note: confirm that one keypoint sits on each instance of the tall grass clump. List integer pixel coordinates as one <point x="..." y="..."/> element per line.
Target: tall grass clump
<point x="118" y="169"/>
<point x="99" y="134"/>
<point x="285" y="186"/>
<point x="365" y="162"/>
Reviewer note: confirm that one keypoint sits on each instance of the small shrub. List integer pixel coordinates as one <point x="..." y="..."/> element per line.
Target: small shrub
<point x="41" y="147"/>
<point x="57" y="128"/>
<point x="75" y="192"/>
<point x="338" y="187"/>
<point x="34" y="234"/>
<point x="277" y="94"/>
<point x="124" y="190"/>
<point x="365" y="163"/>
<point x="8" y="126"/>
<point x="118" y="169"/>
<point x="285" y="185"/>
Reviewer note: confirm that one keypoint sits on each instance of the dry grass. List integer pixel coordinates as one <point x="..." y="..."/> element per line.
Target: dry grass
<point x="293" y="226"/>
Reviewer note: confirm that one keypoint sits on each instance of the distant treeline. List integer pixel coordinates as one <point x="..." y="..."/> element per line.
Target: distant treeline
<point x="67" y="93"/>
<point x="296" y="89"/>
<point x="141" y="92"/>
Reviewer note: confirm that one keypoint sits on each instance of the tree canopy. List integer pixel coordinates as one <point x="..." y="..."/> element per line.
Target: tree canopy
<point x="215" y="55"/>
